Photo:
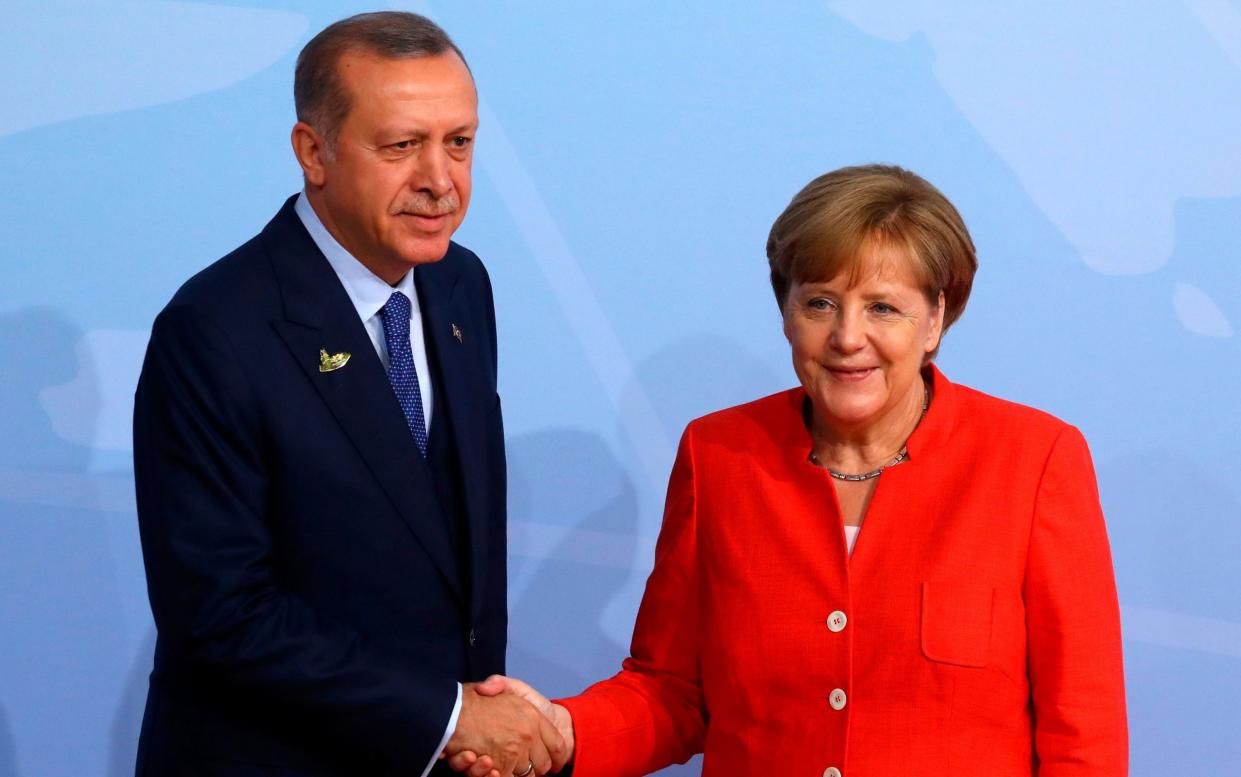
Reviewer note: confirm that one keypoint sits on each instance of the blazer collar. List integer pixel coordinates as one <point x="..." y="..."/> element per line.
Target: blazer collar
<point x="309" y="289"/>
<point x="936" y="427"/>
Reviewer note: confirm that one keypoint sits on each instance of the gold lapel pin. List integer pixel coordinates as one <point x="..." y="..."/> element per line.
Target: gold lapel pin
<point x="334" y="362"/>
<point x="456" y="332"/>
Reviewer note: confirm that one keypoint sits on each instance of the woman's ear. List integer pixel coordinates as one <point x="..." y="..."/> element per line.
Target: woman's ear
<point x="936" y="332"/>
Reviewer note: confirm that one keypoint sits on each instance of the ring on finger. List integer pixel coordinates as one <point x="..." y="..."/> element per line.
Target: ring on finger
<point x="526" y="772"/>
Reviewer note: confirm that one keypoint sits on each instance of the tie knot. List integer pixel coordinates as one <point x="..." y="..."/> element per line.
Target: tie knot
<point x="397" y="305"/>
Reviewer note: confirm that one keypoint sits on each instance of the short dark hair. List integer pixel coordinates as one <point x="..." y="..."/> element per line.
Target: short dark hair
<point x="828" y="225"/>
<point x="320" y="97"/>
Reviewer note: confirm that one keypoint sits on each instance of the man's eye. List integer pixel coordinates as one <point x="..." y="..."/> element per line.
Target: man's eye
<point x="461" y="141"/>
<point x="402" y="145"/>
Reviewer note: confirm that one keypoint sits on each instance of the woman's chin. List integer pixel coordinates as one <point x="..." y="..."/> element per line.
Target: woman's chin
<point x="848" y="414"/>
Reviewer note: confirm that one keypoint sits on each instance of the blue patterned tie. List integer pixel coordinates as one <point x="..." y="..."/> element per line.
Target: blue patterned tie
<point x="401" y="372"/>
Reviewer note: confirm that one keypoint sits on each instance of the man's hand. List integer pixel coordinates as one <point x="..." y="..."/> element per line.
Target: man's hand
<point x="557" y="714"/>
<point x="481" y="766"/>
<point x="508" y="731"/>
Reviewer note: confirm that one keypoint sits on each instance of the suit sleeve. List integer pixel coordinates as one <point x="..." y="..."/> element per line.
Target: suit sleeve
<point x="1073" y="624"/>
<point x="653" y="713"/>
<point x="202" y="494"/>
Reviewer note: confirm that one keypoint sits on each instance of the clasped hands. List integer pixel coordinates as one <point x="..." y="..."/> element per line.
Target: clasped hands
<point x="508" y="728"/>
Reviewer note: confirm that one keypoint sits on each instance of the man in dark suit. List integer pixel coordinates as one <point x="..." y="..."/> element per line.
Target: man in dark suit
<point x="319" y="453"/>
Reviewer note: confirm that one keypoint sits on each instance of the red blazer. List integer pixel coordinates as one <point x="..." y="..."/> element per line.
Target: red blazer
<point x="975" y="630"/>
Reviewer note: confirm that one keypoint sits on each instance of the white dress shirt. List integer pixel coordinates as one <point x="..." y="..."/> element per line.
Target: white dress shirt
<point x="851" y="533"/>
<point x="369" y="293"/>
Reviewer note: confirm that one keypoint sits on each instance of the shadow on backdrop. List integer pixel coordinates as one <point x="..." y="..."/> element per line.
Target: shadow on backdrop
<point x="1185" y="665"/>
<point x="64" y="647"/>
<point x="37" y="344"/>
<point x="703" y="373"/>
<point x="38" y="348"/>
<point x="8" y="749"/>
<point x="127" y="722"/>
<point x="570" y="480"/>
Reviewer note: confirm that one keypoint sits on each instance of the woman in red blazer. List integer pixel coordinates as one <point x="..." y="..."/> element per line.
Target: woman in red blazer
<point x="973" y="630"/>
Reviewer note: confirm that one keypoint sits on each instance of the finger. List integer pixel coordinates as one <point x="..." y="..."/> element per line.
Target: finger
<point x="507" y="762"/>
<point x="540" y="758"/>
<point x="547" y="741"/>
<point x="562" y="719"/>
<point x="554" y="746"/>
<point x="482" y="767"/>
<point x="462" y="761"/>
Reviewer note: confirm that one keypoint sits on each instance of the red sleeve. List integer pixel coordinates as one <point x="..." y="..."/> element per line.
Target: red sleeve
<point x="653" y="713"/>
<point x="1073" y="624"/>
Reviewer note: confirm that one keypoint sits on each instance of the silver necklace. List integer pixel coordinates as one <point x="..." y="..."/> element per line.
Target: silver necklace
<point x="897" y="459"/>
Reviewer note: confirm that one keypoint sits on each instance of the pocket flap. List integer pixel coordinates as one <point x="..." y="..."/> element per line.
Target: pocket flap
<point x="956" y="622"/>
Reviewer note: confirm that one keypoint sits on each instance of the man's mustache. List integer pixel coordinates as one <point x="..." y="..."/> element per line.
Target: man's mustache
<point x="426" y="205"/>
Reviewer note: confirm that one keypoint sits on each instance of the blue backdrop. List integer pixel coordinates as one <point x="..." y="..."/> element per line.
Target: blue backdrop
<point x="631" y="159"/>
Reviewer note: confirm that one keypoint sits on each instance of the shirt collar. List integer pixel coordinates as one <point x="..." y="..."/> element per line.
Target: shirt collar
<point x="366" y="290"/>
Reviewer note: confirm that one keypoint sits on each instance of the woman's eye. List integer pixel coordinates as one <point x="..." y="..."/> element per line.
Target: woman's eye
<point x="883" y="308"/>
<point x="819" y="303"/>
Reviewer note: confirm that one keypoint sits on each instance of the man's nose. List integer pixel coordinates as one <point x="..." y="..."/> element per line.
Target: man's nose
<point x="432" y="173"/>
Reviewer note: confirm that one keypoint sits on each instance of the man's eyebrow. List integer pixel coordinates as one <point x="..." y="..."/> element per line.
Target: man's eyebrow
<point x="422" y="132"/>
<point x="397" y="130"/>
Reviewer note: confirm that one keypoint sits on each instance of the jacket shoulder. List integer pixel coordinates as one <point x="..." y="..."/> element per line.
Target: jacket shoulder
<point x="466" y="259"/>
<point x="238" y="284"/>
<point x="467" y="265"/>
<point x="981" y="411"/>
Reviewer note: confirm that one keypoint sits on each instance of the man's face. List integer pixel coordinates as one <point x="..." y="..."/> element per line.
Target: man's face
<point x="397" y="183"/>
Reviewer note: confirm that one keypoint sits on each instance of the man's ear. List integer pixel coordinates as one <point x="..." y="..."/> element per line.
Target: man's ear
<point x="311" y="151"/>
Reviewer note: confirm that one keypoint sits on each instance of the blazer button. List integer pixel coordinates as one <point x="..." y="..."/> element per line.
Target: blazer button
<point x="836" y="621"/>
<point x="472" y="638"/>
<point x="837" y="699"/>
<point x="831" y="771"/>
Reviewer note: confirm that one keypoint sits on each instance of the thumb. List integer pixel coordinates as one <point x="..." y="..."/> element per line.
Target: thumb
<point x="492" y="686"/>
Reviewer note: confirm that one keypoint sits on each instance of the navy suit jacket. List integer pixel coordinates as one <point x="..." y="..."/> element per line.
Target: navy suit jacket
<point x="314" y="612"/>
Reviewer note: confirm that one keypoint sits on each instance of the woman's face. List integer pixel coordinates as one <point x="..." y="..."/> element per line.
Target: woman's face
<point x="858" y="349"/>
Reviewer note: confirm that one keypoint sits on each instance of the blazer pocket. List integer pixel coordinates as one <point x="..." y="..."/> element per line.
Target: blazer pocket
<point x="956" y="623"/>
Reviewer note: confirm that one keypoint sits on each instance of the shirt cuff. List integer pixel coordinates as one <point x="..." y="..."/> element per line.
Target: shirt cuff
<point x="448" y="732"/>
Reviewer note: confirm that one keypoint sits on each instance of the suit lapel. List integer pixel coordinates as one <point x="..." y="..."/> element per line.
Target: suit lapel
<point x="319" y="315"/>
<point x="445" y="317"/>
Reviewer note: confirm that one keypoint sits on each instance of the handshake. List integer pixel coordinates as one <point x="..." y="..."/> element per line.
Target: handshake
<point x="507" y="728"/>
